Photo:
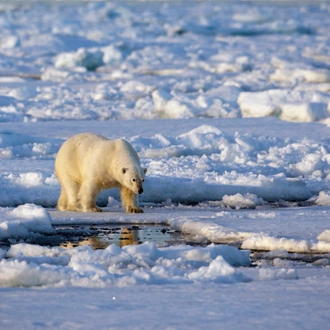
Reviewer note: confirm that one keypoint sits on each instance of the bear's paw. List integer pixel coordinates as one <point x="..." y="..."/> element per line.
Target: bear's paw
<point x="131" y="209"/>
<point x="91" y="209"/>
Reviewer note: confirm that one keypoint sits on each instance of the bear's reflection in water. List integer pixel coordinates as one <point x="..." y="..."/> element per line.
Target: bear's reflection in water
<point x="93" y="241"/>
<point x="127" y="237"/>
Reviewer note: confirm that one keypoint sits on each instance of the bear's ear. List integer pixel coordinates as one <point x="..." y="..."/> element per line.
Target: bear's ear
<point x="124" y="169"/>
<point x="145" y="170"/>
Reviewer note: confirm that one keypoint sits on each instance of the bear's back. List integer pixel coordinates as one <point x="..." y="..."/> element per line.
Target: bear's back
<point x="77" y="149"/>
<point x="125" y="148"/>
<point x="84" y="150"/>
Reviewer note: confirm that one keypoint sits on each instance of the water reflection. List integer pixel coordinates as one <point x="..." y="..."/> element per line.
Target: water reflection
<point x="128" y="237"/>
<point x="100" y="237"/>
<point x="93" y="241"/>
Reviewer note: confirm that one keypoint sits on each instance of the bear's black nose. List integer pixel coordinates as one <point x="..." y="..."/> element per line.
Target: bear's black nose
<point x="140" y="191"/>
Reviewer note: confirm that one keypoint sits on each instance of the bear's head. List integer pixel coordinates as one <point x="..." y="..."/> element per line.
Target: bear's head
<point x="133" y="178"/>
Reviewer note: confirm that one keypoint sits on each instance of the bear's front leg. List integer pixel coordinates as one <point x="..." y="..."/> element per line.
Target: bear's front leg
<point x="87" y="197"/>
<point x="129" y="201"/>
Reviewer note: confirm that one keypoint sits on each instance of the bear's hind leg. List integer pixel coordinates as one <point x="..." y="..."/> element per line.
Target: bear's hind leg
<point x="87" y="196"/>
<point x="129" y="201"/>
<point x="71" y="189"/>
<point x="63" y="200"/>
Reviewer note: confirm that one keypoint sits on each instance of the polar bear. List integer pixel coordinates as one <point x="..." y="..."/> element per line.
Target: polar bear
<point x="88" y="163"/>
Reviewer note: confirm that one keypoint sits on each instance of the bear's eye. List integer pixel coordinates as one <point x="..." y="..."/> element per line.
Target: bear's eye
<point x="133" y="180"/>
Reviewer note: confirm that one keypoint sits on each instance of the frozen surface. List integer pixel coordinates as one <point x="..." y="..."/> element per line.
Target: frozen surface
<point x="23" y="221"/>
<point x="30" y="265"/>
<point x="208" y="284"/>
<point x="130" y="60"/>
<point x="227" y="104"/>
<point x="249" y="305"/>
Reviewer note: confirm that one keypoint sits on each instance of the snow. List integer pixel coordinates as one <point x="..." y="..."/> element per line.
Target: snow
<point x="239" y="201"/>
<point x="323" y="198"/>
<point x="24" y="221"/>
<point x="227" y="105"/>
<point x="264" y="242"/>
<point x="140" y="264"/>
<point x="288" y="105"/>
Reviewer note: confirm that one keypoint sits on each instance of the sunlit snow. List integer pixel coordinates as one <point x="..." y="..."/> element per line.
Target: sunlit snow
<point x="227" y="104"/>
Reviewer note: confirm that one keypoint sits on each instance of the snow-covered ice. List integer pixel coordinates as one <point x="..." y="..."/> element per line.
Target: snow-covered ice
<point x="165" y="60"/>
<point x="227" y="104"/>
<point x="134" y="264"/>
<point x="24" y="221"/>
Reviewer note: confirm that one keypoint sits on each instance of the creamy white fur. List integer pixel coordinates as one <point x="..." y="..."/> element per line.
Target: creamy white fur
<point x="88" y="163"/>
